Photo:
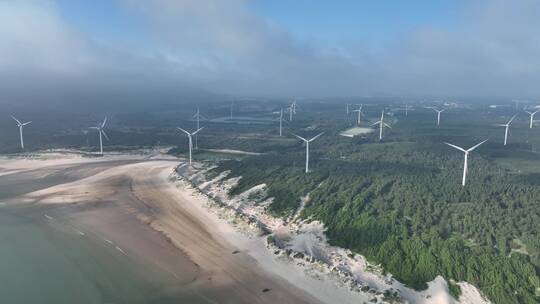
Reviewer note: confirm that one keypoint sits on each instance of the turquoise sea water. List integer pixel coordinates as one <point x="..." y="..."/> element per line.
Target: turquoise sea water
<point x="41" y="263"/>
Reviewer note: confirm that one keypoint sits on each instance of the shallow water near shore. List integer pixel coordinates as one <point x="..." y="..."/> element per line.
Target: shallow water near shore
<point x="42" y="262"/>
<point x="118" y="231"/>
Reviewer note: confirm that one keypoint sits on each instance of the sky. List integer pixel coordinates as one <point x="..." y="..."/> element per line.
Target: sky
<point x="83" y="50"/>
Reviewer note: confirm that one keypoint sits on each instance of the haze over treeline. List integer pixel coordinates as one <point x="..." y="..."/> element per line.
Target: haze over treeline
<point x="131" y="51"/>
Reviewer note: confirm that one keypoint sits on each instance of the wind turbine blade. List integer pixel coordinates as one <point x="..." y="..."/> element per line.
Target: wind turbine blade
<point x="512" y="119"/>
<point x="197" y="131"/>
<point x="454" y="146"/>
<point x="530" y="113"/>
<point x="104" y="122"/>
<point x="184" y="131"/>
<point x="474" y="147"/>
<point x="27" y="123"/>
<point x="300" y="137"/>
<point x="387" y="125"/>
<point x="376" y="123"/>
<point x="95" y="128"/>
<point x="105" y="134"/>
<point x="15" y="119"/>
<point x="312" y="139"/>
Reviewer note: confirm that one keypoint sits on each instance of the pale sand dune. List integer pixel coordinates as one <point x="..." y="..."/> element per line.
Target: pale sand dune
<point x="352" y="132"/>
<point x="308" y="238"/>
<point x="230" y="151"/>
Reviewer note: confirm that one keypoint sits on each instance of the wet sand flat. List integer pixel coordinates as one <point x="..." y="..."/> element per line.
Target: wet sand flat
<point x="127" y="212"/>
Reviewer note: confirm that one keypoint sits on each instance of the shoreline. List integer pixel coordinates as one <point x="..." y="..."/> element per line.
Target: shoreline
<point x="302" y="240"/>
<point x="129" y="206"/>
<point x="224" y="243"/>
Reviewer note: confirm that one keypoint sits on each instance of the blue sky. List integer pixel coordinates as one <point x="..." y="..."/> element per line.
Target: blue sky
<point x="102" y="19"/>
<point x="352" y="20"/>
<point x="372" y="22"/>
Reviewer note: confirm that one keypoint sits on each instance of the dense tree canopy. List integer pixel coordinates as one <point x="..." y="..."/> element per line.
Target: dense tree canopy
<point x="401" y="205"/>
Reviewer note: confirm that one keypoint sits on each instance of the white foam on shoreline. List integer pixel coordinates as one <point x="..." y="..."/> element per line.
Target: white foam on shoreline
<point x="339" y="274"/>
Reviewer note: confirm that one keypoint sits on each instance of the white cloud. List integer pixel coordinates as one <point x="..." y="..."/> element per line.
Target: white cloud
<point x="221" y="45"/>
<point x="33" y="38"/>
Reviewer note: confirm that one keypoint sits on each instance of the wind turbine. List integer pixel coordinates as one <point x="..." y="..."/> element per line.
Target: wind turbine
<point x="465" y="165"/>
<point x="438" y="115"/>
<point x="307" y="141"/>
<point x="280" y="122"/>
<point x="292" y="110"/>
<point x="507" y="126"/>
<point x="190" y="140"/>
<point x="21" y="126"/>
<point x="232" y="106"/>
<point x="197" y="116"/>
<point x="516" y="103"/>
<point x="101" y="132"/>
<point x="407" y="107"/>
<point x="348" y="109"/>
<point x="532" y="117"/>
<point x="381" y="124"/>
<point x="359" y="114"/>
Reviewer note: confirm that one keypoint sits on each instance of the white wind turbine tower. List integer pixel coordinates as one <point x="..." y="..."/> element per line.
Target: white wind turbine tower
<point x="291" y="112"/>
<point x="21" y="126"/>
<point x="359" y="114"/>
<point x="381" y="124"/>
<point x="280" y="122"/>
<point x="101" y="132"/>
<point x="507" y="126"/>
<point x="348" y="109"/>
<point x="465" y="164"/>
<point x="198" y="116"/>
<point x="532" y="117"/>
<point x="516" y="103"/>
<point x="190" y="140"/>
<point x="307" y="141"/>
<point x="232" y="106"/>
<point x="407" y="107"/>
<point x="280" y="112"/>
<point x="438" y="115"/>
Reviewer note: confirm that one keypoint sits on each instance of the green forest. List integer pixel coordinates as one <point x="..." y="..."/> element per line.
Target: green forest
<point x="400" y="203"/>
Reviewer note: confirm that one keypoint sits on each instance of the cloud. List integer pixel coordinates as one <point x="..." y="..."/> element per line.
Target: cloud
<point x="33" y="38"/>
<point x="493" y="51"/>
<point x="246" y="53"/>
<point x="223" y="46"/>
<point x="45" y="60"/>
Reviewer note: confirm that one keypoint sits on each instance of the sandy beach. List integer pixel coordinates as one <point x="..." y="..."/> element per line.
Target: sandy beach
<point x="356" y="131"/>
<point x="139" y="211"/>
<point x="128" y="205"/>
